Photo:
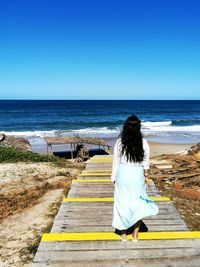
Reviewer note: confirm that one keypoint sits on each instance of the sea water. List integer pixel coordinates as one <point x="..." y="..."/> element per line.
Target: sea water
<point x="167" y="121"/>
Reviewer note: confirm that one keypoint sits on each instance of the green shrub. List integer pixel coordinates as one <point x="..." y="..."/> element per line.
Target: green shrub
<point x="11" y="155"/>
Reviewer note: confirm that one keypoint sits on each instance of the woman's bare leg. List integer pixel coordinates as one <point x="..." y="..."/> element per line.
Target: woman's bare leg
<point x="123" y="235"/>
<point x="136" y="229"/>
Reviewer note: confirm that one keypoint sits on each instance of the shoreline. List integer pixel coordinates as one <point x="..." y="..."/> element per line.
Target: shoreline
<point x="156" y="148"/>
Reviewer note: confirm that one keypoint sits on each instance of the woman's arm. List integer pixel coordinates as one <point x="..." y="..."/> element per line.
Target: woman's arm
<point x="116" y="160"/>
<point x="146" y="160"/>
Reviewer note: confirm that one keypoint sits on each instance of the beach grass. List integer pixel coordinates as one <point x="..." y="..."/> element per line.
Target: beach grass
<point x="12" y="155"/>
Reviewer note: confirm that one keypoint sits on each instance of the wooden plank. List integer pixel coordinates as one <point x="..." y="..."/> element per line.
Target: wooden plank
<point x="79" y="209"/>
<point x="99" y="208"/>
<point x="108" y="204"/>
<point x="109" y="188"/>
<point x="100" y="214"/>
<point x="113" y="254"/>
<point x="102" y="185"/>
<point x="110" y="244"/>
<point x="105" y="228"/>
<point x="78" y="192"/>
<point x="86" y="192"/>
<point x="173" y="262"/>
<point x="161" y="204"/>
<point x="105" y="221"/>
<point x="98" y="166"/>
<point x="165" y="215"/>
<point x="101" y="181"/>
<point x="82" y="206"/>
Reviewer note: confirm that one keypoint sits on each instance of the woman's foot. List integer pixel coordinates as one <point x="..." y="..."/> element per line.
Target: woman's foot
<point x="123" y="237"/>
<point x="134" y="238"/>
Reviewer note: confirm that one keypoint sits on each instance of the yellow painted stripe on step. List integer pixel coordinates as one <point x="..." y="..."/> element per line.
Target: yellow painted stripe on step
<point x="95" y="180"/>
<point x="95" y="174"/>
<point x="96" y="170"/>
<point x="92" y="181"/>
<point x="102" y="157"/>
<point x="105" y="199"/>
<point x="48" y="237"/>
<point x="99" y="160"/>
<point x="96" y="162"/>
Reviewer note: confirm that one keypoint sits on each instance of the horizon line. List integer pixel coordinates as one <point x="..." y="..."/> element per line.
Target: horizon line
<point x="44" y="99"/>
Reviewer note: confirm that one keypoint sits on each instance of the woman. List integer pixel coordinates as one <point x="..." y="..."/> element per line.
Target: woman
<point x="130" y="173"/>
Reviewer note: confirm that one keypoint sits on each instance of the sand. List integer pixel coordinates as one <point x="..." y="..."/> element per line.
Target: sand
<point x="30" y="196"/>
<point x="20" y="232"/>
<point x="160" y="148"/>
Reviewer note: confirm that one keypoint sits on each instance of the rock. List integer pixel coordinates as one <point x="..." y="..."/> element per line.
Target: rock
<point x="12" y="244"/>
<point x="159" y="162"/>
<point x="194" y="150"/>
<point x="16" y="259"/>
<point x="15" y="142"/>
<point x="164" y="166"/>
<point x="2" y="136"/>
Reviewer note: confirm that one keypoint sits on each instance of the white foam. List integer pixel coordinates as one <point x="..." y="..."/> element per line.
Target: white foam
<point x="170" y="128"/>
<point x="96" y="130"/>
<point x="149" y="124"/>
<point x="27" y="134"/>
<point x="148" y="127"/>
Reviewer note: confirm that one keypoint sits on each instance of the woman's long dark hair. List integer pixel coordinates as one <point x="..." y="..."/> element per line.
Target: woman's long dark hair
<point x="131" y="139"/>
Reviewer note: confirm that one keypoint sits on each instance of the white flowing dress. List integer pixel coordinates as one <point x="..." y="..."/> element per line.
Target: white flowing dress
<point x="131" y="202"/>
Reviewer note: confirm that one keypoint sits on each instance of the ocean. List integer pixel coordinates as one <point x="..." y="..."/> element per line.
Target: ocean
<point x="176" y="121"/>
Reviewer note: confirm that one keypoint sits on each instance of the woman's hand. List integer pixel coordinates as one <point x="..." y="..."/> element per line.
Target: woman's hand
<point x="147" y="180"/>
<point x="146" y="175"/>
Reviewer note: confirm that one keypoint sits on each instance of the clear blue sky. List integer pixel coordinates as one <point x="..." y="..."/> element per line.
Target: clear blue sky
<point x="99" y="49"/>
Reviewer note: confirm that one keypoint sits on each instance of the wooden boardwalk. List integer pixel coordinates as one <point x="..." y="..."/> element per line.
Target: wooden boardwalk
<point x="82" y="235"/>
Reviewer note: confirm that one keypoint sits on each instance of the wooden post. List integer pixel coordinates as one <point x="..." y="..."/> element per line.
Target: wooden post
<point x="71" y="151"/>
<point x="51" y="149"/>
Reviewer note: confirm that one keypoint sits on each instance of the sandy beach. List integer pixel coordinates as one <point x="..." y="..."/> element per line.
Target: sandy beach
<point x="157" y="148"/>
<point x="160" y="148"/>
